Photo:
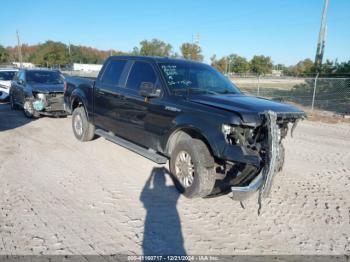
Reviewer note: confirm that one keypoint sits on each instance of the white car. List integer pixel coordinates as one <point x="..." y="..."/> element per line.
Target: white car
<point x="6" y="76"/>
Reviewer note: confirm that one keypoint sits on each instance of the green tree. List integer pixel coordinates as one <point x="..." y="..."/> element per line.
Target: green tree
<point x="327" y="68"/>
<point x="343" y="68"/>
<point x="155" y="47"/>
<point x="4" y="55"/>
<point x="305" y="66"/>
<point x="261" y="65"/>
<point x="135" y="51"/>
<point x="51" y="53"/>
<point x="238" y="64"/>
<point x="191" y="51"/>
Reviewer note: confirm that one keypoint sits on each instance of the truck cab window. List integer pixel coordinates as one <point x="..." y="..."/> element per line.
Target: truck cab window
<point x="113" y="72"/>
<point x="141" y="72"/>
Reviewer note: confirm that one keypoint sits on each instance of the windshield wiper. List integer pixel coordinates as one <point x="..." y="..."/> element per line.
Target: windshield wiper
<point x="227" y="92"/>
<point x="194" y="89"/>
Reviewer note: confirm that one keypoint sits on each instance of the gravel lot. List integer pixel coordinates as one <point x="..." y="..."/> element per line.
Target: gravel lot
<point x="60" y="196"/>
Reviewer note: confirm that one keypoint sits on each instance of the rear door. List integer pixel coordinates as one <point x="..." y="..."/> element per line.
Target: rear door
<point x="140" y="114"/>
<point x="107" y="95"/>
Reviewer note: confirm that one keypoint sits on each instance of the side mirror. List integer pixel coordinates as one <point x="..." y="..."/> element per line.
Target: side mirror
<point x="148" y="90"/>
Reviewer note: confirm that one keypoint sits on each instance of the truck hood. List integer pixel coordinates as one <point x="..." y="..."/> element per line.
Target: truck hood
<point x="47" y="88"/>
<point x="247" y="107"/>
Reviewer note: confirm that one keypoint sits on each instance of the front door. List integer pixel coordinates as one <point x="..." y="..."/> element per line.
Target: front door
<point x="139" y="113"/>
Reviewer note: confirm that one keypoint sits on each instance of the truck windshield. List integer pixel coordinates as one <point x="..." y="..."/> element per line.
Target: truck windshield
<point x="196" y="78"/>
<point x="44" y="77"/>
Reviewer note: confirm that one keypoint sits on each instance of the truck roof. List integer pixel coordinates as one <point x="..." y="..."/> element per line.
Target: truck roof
<point x="8" y="69"/>
<point x="156" y="59"/>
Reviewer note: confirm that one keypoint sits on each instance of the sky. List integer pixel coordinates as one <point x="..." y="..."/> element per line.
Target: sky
<point x="285" y="30"/>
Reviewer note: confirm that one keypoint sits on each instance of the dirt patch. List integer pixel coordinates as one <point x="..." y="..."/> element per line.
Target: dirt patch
<point x="61" y="196"/>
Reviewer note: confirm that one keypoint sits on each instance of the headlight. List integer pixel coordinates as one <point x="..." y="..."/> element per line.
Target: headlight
<point x="238" y="135"/>
<point x="226" y="129"/>
<point x="41" y="96"/>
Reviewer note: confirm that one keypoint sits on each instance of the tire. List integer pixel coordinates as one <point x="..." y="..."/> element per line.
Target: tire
<point x="13" y="105"/>
<point x="28" y="110"/>
<point x="202" y="167"/>
<point x="83" y="130"/>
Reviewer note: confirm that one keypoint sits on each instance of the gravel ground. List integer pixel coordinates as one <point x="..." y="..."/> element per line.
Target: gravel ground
<point x="60" y="196"/>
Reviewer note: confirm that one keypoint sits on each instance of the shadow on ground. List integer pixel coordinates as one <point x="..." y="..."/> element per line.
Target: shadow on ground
<point x="162" y="230"/>
<point x="10" y="119"/>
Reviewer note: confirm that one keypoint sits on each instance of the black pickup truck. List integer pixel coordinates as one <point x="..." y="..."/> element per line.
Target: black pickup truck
<point x="217" y="140"/>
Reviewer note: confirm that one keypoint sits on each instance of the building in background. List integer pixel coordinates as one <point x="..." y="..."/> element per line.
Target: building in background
<point x="24" y="64"/>
<point x="86" y="67"/>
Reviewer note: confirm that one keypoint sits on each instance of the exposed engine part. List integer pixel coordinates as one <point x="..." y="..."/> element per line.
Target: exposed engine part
<point x="38" y="105"/>
<point x="264" y="141"/>
<point x="48" y="102"/>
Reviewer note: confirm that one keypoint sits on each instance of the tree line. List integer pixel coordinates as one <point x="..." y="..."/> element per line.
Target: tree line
<point x="53" y="53"/>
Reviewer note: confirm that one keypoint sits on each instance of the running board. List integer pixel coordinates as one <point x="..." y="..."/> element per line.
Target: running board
<point x="147" y="153"/>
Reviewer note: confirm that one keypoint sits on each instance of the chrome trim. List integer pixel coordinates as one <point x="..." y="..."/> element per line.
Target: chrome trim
<point x="243" y="192"/>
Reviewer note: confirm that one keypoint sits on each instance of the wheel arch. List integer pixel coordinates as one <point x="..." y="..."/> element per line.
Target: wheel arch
<point x="78" y="101"/>
<point x="183" y="133"/>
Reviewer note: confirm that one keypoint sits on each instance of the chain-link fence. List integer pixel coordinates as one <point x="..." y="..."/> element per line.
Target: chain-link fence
<point x="331" y="94"/>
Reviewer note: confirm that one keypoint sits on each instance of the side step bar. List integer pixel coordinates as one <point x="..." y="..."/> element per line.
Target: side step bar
<point x="150" y="154"/>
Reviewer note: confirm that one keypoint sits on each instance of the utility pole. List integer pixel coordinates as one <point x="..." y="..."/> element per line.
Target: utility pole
<point x="19" y="49"/>
<point x="227" y="65"/>
<point x="70" y="59"/>
<point x="322" y="36"/>
<point x="195" y="39"/>
<point x="70" y="54"/>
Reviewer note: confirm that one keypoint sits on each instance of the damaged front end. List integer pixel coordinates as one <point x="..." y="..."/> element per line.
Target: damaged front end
<point x="47" y="104"/>
<point x="262" y="155"/>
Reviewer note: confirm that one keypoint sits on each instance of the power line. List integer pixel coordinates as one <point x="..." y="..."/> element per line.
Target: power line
<point x="195" y="39"/>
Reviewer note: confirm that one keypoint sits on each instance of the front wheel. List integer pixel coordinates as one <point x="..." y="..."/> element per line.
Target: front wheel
<point x="28" y="110"/>
<point x="13" y="103"/>
<point x="82" y="129"/>
<point x="192" y="165"/>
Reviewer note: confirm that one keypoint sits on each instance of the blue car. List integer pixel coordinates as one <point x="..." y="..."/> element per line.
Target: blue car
<point x="38" y="92"/>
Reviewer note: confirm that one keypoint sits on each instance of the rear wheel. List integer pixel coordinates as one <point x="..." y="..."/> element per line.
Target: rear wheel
<point x="192" y="166"/>
<point x="83" y="130"/>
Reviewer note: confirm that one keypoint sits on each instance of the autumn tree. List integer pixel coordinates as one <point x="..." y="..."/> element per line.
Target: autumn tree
<point x="4" y="55"/>
<point x="191" y="51"/>
<point x="220" y="64"/>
